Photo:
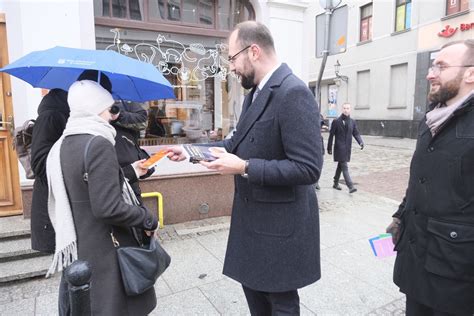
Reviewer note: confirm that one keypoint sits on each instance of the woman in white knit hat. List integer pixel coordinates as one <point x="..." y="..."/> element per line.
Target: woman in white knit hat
<point x="83" y="209"/>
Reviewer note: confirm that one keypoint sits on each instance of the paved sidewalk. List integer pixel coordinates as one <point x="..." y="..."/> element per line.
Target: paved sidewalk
<point x="354" y="282"/>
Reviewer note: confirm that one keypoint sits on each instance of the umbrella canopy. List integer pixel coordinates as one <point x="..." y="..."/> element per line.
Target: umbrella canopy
<point x="59" y="67"/>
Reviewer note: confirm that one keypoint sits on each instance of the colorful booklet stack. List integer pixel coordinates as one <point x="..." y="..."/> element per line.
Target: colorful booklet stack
<point x="382" y="245"/>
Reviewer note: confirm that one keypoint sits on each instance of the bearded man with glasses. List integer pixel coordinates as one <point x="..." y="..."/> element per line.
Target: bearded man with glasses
<point x="276" y="157"/>
<point x="433" y="229"/>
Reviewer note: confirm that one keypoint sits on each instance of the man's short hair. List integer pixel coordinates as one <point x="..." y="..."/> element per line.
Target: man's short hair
<point x="252" y="32"/>
<point x="469" y="55"/>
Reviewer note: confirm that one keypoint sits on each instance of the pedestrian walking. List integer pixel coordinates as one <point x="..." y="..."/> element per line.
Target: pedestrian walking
<point x="434" y="226"/>
<point x="53" y="112"/>
<point x="342" y="130"/>
<point x="275" y="155"/>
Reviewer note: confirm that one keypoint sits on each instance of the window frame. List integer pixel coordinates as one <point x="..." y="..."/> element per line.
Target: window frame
<point x="460" y="4"/>
<point x="165" y="25"/>
<point x="398" y="4"/>
<point x="369" y="20"/>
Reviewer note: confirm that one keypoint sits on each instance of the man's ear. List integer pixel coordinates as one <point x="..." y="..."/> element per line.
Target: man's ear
<point x="469" y="75"/>
<point x="256" y="52"/>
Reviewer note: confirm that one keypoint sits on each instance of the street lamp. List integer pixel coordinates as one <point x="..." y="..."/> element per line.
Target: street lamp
<point x="337" y="66"/>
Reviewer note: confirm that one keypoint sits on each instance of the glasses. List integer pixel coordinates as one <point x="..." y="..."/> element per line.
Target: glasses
<point x="437" y="69"/>
<point x="232" y="58"/>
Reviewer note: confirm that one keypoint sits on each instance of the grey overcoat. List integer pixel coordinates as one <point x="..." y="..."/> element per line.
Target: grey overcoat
<point x="96" y="205"/>
<point x="273" y="242"/>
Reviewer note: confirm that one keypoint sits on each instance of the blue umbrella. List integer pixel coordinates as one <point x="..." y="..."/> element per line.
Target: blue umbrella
<point x="59" y="67"/>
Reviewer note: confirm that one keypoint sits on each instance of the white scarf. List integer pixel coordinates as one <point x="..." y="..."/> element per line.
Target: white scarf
<point x="59" y="208"/>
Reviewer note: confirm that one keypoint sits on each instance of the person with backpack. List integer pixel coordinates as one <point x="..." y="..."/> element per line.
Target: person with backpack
<point x="53" y="113"/>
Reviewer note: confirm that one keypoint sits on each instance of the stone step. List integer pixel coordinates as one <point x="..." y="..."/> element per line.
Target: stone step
<point x="14" y="226"/>
<point x="16" y="249"/>
<point x="24" y="269"/>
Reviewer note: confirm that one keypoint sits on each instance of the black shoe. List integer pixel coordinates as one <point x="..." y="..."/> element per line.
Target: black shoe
<point x="352" y="190"/>
<point x="337" y="186"/>
<point x="316" y="186"/>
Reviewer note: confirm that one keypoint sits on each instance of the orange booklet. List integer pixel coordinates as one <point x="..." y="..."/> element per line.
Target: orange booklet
<point x="155" y="158"/>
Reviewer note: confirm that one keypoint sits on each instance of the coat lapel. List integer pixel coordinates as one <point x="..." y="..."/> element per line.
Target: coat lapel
<point x="252" y="111"/>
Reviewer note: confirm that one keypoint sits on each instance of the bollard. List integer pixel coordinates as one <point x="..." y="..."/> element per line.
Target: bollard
<point x="78" y="276"/>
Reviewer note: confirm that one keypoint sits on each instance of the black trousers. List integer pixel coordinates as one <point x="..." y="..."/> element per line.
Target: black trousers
<point x="344" y="168"/>
<point x="415" y="308"/>
<point x="272" y="304"/>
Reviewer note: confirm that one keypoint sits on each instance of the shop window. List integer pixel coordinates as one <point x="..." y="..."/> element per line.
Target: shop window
<point x="366" y="23"/>
<point x="121" y="9"/>
<point x="232" y="12"/>
<point x="455" y="6"/>
<point x="200" y="12"/>
<point x="402" y="15"/>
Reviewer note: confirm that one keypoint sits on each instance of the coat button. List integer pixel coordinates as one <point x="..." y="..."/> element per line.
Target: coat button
<point x="422" y="180"/>
<point x="453" y="235"/>
<point x="246" y="200"/>
<point x="251" y="139"/>
<point x="431" y="149"/>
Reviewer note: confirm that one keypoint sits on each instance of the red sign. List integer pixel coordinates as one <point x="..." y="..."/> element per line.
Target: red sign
<point x="449" y="31"/>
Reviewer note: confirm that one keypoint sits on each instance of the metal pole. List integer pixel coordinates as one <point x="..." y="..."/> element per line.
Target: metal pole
<point x="325" y="51"/>
<point x="78" y="276"/>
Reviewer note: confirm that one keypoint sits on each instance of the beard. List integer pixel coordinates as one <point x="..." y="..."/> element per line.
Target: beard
<point x="446" y="91"/>
<point x="248" y="81"/>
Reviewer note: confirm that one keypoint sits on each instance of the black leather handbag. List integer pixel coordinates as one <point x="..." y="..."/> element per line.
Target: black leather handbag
<point x="140" y="267"/>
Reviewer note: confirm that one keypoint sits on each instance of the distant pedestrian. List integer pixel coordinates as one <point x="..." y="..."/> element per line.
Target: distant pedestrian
<point x="343" y="129"/>
<point x="53" y="112"/>
<point x="434" y="226"/>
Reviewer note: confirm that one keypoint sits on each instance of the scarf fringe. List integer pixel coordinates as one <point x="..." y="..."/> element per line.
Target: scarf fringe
<point x="63" y="258"/>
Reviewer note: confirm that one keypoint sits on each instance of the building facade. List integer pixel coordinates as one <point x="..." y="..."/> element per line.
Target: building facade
<point x="390" y="46"/>
<point x="186" y="40"/>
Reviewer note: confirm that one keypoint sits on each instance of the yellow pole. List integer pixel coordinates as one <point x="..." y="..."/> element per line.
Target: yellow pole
<point x="159" y="204"/>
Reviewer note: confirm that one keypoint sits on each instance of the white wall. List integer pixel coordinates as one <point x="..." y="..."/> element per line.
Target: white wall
<point x="286" y="21"/>
<point x="37" y="25"/>
<point x="41" y="24"/>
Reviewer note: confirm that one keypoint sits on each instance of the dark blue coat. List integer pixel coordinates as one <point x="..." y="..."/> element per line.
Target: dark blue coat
<point x="273" y="242"/>
<point x="343" y="138"/>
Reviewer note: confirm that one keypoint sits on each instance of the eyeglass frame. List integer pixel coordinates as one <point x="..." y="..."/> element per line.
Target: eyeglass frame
<point x="437" y="69"/>
<point x="232" y="58"/>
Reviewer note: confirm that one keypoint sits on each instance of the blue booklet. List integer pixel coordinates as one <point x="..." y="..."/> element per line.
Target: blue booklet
<point x="199" y="153"/>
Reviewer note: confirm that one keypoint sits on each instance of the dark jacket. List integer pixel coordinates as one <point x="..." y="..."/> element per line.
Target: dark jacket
<point x="96" y="205"/>
<point x="273" y="242"/>
<point x="435" y="258"/>
<point x="131" y="120"/>
<point x="53" y="113"/>
<point x="343" y="131"/>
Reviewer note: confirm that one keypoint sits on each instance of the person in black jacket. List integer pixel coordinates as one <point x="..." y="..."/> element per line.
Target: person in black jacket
<point x="343" y="128"/>
<point x="433" y="228"/>
<point x="128" y="123"/>
<point x="53" y="113"/>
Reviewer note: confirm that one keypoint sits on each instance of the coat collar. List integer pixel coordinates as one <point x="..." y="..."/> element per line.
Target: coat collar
<point x="251" y="112"/>
<point x="466" y="105"/>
